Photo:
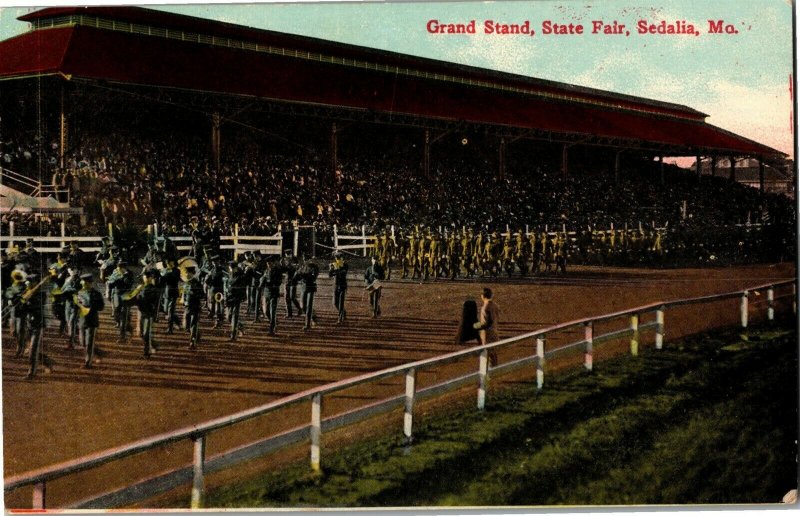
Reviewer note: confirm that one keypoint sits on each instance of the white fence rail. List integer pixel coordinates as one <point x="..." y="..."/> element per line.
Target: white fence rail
<point x="238" y="243"/>
<point x="313" y="431"/>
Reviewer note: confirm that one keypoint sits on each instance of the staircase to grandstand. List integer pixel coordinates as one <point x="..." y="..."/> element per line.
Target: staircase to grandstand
<point x="21" y="193"/>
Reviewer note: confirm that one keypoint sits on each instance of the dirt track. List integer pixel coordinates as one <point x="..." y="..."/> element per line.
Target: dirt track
<point x="72" y="411"/>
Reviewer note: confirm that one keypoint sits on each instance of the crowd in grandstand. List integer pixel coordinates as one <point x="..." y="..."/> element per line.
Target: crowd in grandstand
<point x="127" y="179"/>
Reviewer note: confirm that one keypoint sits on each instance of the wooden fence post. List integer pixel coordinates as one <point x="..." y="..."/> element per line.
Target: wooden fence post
<point x="39" y="492"/>
<point x="483" y="378"/>
<point x="770" y="303"/>
<point x="364" y="238"/>
<point x="540" y="361"/>
<point x="660" y="327"/>
<point x="743" y="305"/>
<point x="198" y="469"/>
<point x="408" y="417"/>
<point x="335" y="238"/>
<point x="11" y="234"/>
<point x="236" y="241"/>
<point x="588" y="331"/>
<point x="635" y="336"/>
<point x="316" y="430"/>
<point x="296" y="238"/>
<point x="63" y="234"/>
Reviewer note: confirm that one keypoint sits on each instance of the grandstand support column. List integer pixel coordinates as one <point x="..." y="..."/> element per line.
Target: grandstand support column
<point x="501" y="169"/>
<point x="215" y="138"/>
<point x="698" y="166"/>
<point x="565" y="160"/>
<point x="426" y="158"/>
<point x="661" y="167"/>
<point x="713" y="166"/>
<point x="733" y="168"/>
<point x="616" y="165"/>
<point x="63" y="130"/>
<point x="334" y="149"/>
<point x="761" y="175"/>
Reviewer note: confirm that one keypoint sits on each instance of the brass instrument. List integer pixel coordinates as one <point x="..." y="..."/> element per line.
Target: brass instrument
<point x="133" y="293"/>
<point x="32" y="290"/>
<point x="82" y="309"/>
<point x="187" y="262"/>
<point x="218" y="297"/>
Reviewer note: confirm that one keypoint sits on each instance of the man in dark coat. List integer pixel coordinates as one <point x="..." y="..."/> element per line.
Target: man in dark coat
<point x="235" y="289"/>
<point x="147" y="300"/>
<point x="308" y="274"/>
<point x="192" y="299"/>
<point x="372" y="278"/>
<point x="120" y="283"/>
<point x="271" y="283"/>
<point x="289" y="264"/>
<point x="338" y="271"/>
<point x="89" y="304"/>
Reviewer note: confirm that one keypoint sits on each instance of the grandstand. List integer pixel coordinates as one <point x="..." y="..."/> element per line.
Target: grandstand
<point x="143" y="124"/>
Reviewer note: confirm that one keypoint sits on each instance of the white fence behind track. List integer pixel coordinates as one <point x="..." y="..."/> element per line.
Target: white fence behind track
<point x="537" y="356"/>
<point x="237" y="243"/>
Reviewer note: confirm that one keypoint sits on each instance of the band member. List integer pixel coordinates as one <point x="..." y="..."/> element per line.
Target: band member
<point x="308" y="274"/>
<point x="290" y="265"/>
<point x="107" y="264"/>
<point x="373" y="274"/>
<point x="89" y="303"/>
<point x="215" y="283"/>
<point x="146" y="297"/>
<point x="30" y="257"/>
<point x="235" y="287"/>
<point x="338" y="270"/>
<point x="71" y="286"/>
<point x="252" y="274"/>
<point x="36" y="323"/>
<point x="13" y="296"/>
<point x="121" y="282"/>
<point x="192" y="299"/>
<point x="170" y="282"/>
<point x="59" y="273"/>
<point x="271" y="284"/>
<point x="75" y="254"/>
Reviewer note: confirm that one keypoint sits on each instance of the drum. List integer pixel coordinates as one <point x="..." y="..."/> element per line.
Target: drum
<point x="375" y="285"/>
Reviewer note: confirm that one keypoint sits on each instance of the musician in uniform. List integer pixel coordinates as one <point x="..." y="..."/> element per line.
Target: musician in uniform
<point x="121" y="282"/>
<point x="70" y="287"/>
<point x="215" y="282"/>
<point x="36" y="324"/>
<point x="58" y="273"/>
<point x="89" y="303"/>
<point x="270" y="283"/>
<point x="289" y="265"/>
<point x="170" y="282"/>
<point x="75" y="253"/>
<point x="13" y="296"/>
<point x="373" y="274"/>
<point x="31" y="257"/>
<point x="338" y="271"/>
<point x="146" y="297"/>
<point x="308" y="274"/>
<point x="192" y="299"/>
<point x="108" y="261"/>
<point x="235" y="286"/>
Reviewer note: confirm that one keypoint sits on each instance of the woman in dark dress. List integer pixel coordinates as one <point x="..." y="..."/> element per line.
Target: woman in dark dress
<point x="466" y="329"/>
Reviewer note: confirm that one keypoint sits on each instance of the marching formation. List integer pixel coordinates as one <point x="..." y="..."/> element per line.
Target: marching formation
<point x="202" y="282"/>
<point x="468" y="253"/>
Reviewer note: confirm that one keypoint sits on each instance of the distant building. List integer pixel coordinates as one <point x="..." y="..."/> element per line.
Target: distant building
<point x="777" y="179"/>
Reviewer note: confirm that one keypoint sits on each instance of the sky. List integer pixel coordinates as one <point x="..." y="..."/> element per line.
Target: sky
<point x="741" y="80"/>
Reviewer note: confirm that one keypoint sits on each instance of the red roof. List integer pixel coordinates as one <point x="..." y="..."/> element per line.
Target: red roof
<point x="340" y="75"/>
